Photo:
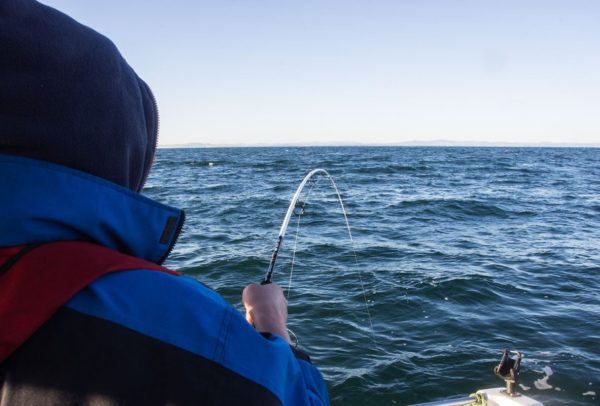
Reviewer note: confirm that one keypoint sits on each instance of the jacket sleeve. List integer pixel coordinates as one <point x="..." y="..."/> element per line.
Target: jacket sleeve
<point x="223" y="355"/>
<point x="314" y="384"/>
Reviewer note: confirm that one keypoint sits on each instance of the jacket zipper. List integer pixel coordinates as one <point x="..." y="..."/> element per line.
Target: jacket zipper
<point x="175" y="238"/>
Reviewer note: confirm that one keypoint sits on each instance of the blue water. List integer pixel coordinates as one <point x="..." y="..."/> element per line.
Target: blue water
<point x="463" y="252"/>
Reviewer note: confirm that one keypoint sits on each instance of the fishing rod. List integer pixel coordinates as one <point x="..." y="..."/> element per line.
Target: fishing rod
<point x="284" y="226"/>
<point x="286" y="220"/>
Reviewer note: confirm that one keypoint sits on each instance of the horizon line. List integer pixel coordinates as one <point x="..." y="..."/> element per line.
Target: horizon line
<point x="434" y="143"/>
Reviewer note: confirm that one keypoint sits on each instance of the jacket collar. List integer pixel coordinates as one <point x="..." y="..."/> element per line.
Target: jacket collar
<point x="42" y="202"/>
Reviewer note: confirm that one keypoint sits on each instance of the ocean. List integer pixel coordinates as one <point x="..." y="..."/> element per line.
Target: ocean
<point x="458" y="253"/>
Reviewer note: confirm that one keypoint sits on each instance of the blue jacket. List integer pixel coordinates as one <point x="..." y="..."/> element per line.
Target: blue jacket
<point x="148" y="336"/>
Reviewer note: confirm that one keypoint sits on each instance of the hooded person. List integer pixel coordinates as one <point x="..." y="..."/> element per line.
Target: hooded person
<point x="87" y="314"/>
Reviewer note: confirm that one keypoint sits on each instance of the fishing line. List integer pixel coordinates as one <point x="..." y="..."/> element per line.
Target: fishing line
<point x="293" y="201"/>
<point x="296" y="237"/>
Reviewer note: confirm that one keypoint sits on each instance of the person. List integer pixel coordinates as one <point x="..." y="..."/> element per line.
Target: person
<point x="87" y="314"/>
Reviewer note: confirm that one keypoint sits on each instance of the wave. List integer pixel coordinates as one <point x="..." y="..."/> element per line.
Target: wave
<point x="457" y="207"/>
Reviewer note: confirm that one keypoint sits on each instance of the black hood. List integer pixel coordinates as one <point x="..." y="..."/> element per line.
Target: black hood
<point x="67" y="96"/>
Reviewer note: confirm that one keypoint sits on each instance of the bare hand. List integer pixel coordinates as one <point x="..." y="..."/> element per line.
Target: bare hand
<point x="266" y="309"/>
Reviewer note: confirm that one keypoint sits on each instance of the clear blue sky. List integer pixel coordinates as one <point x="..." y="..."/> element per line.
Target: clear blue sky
<point x="304" y="71"/>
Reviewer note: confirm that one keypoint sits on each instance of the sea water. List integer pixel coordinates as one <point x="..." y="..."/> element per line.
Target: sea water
<point x="463" y="252"/>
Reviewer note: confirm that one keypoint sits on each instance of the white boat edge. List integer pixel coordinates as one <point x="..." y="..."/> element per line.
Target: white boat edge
<point x="486" y="397"/>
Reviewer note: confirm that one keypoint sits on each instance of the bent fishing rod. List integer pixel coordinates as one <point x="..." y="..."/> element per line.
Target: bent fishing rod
<point x="286" y="221"/>
<point x="284" y="226"/>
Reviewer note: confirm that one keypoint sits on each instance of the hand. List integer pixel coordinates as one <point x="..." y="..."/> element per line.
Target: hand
<point x="266" y="309"/>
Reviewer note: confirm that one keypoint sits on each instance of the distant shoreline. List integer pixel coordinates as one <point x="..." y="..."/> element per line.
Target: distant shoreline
<point x="434" y="144"/>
